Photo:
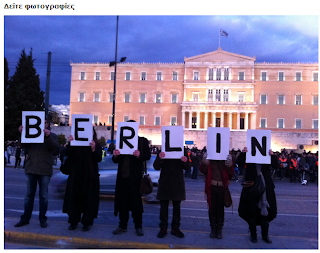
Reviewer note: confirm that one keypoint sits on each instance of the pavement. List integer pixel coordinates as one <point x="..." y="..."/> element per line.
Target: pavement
<point x="57" y="236"/>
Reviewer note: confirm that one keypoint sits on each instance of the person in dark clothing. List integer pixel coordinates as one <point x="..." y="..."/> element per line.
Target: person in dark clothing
<point x="83" y="185"/>
<point x="218" y="175"/>
<point x="17" y="155"/>
<point x="171" y="188"/>
<point x="263" y="210"/>
<point x="38" y="170"/>
<point x="127" y="194"/>
<point x="196" y="163"/>
<point x="62" y="152"/>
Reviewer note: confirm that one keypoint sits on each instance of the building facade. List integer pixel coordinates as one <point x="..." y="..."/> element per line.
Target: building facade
<point x="217" y="89"/>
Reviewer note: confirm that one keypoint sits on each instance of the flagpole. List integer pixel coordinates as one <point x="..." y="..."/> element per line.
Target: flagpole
<point x="219" y="39"/>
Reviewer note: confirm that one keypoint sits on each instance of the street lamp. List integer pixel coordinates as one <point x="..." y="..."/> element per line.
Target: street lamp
<point x="114" y="63"/>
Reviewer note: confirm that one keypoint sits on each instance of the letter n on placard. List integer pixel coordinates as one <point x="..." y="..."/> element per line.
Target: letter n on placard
<point x="258" y="144"/>
<point x="81" y="129"/>
<point x="33" y="125"/>
<point x="218" y="143"/>
<point x="172" y="142"/>
<point x="127" y="137"/>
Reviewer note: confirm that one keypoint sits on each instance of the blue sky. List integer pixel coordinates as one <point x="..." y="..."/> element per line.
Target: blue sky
<point x="156" y="38"/>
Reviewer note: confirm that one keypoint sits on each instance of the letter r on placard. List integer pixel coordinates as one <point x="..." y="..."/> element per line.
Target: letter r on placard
<point x="126" y="138"/>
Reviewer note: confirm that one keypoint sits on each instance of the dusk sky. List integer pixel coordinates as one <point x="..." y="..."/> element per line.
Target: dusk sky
<point x="91" y="39"/>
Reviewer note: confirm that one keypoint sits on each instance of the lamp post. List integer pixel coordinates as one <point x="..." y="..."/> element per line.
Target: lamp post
<point x="114" y="63"/>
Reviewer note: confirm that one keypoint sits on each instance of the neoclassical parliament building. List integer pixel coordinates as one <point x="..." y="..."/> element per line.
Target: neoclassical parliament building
<point x="216" y="89"/>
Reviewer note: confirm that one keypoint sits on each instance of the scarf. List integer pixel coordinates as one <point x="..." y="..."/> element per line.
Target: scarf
<point x="263" y="203"/>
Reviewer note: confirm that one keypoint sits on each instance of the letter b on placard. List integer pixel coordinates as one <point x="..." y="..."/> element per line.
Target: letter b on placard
<point x="33" y="125"/>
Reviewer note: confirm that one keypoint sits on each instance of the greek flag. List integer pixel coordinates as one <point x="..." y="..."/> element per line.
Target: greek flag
<point x="223" y="33"/>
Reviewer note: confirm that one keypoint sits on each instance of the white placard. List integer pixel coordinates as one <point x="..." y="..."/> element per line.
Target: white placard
<point x="127" y="137"/>
<point x="218" y="143"/>
<point x="258" y="144"/>
<point x="81" y="129"/>
<point x="33" y="125"/>
<point x="172" y="142"/>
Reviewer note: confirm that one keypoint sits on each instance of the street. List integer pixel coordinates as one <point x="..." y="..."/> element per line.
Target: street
<point x="297" y="209"/>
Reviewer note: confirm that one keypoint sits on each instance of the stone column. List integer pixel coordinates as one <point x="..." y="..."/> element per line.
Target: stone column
<point x="253" y="120"/>
<point x="190" y="120"/>
<point x="222" y="119"/>
<point x="230" y="120"/>
<point x="213" y="119"/>
<point x="238" y="120"/>
<point x="246" y="121"/>
<point x="184" y="119"/>
<point x="198" y="120"/>
<point x="206" y="120"/>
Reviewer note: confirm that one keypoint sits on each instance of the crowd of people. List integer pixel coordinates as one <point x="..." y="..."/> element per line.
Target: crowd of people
<point x="258" y="206"/>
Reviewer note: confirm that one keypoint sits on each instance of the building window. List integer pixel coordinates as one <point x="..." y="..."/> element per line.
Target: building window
<point x="95" y="119"/>
<point x="315" y="124"/>
<point x="126" y="118"/>
<point x="218" y="74"/>
<point x="281" y="76"/>
<point x="157" y="120"/>
<point x="195" y="96"/>
<point x="263" y="76"/>
<point x="226" y="74"/>
<point x="196" y="76"/>
<point x="128" y="76"/>
<point x="142" y="98"/>
<point x="98" y="75"/>
<point x="315" y="99"/>
<point x="225" y="95"/>
<point x="110" y="97"/>
<point x="111" y="75"/>
<point x="241" y="97"/>
<point x="81" y="97"/>
<point x="298" y="100"/>
<point x="127" y="97"/>
<point x="263" y="123"/>
<point x="263" y="99"/>
<point x="175" y="76"/>
<point x="109" y="119"/>
<point x="241" y="76"/>
<point x="83" y="76"/>
<point x="280" y="123"/>
<point x="174" y="98"/>
<point x="173" y="121"/>
<point x="158" y="98"/>
<point x="315" y="76"/>
<point x="159" y="76"/>
<point x="96" y="97"/>
<point x="211" y="74"/>
<point x="210" y="95"/>
<point x="298" y="124"/>
<point x="143" y="76"/>
<point x="298" y="76"/>
<point x="281" y="100"/>
<point x="218" y="95"/>
<point x="142" y="120"/>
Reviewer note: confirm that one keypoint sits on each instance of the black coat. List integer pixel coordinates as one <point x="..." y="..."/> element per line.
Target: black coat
<point x="249" y="208"/>
<point x="83" y="185"/>
<point x="171" y="183"/>
<point x="136" y="170"/>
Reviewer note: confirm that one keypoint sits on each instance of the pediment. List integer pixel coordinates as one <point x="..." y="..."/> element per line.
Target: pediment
<point x="219" y="56"/>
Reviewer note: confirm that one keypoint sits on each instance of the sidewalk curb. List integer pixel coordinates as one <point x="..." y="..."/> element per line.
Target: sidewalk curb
<point x="84" y="243"/>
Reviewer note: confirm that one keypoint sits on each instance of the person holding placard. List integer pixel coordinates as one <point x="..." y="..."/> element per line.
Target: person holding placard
<point x="38" y="169"/>
<point x="81" y="200"/>
<point x="171" y="188"/>
<point x="258" y="207"/>
<point x="127" y="194"/>
<point x="218" y="175"/>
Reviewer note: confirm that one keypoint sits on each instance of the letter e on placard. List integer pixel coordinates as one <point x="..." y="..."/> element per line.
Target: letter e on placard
<point x="258" y="144"/>
<point x="218" y="143"/>
<point x="81" y="129"/>
<point x="33" y="125"/>
<point x="172" y="142"/>
<point x="127" y="137"/>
